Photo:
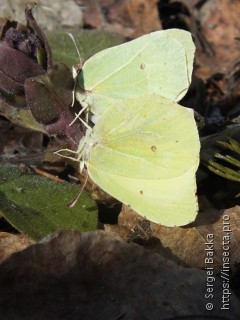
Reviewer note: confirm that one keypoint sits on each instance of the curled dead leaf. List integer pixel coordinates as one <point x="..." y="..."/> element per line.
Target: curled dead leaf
<point x="94" y="276"/>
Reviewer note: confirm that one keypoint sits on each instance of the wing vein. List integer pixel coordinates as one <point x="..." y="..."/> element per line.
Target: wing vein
<point x="121" y="67"/>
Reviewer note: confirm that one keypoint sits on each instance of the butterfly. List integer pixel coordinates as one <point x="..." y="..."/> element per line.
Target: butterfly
<point x="159" y="63"/>
<point x="144" y="151"/>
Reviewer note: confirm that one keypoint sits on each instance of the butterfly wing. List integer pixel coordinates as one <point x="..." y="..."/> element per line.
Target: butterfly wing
<point x="171" y="202"/>
<point x="145" y="154"/>
<point x="160" y="63"/>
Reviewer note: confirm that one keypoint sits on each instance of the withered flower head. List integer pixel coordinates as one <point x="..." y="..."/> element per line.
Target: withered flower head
<point x="24" y="53"/>
<point x="29" y="79"/>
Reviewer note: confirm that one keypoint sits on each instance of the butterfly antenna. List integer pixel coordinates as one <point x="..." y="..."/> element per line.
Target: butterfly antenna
<point x="80" y="62"/>
<point x="74" y="42"/>
<point x="73" y="97"/>
<point x="75" y="200"/>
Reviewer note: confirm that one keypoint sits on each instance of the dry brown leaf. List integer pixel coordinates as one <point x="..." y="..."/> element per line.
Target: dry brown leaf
<point x="132" y="18"/>
<point x="215" y="25"/>
<point x="94" y="276"/>
<point x="220" y="25"/>
<point x="188" y="245"/>
<point x="10" y="243"/>
<point x="17" y="140"/>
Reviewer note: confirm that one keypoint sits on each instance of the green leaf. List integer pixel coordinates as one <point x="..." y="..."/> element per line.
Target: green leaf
<point x="223" y="171"/>
<point x="37" y="206"/>
<point x="231" y="145"/>
<point x="88" y="42"/>
<point x="228" y="159"/>
<point x="22" y="117"/>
